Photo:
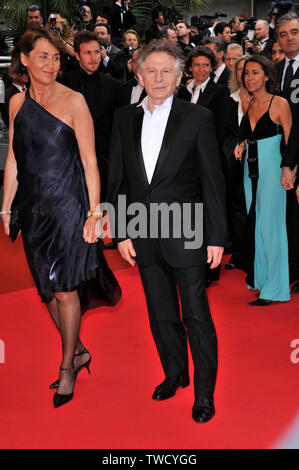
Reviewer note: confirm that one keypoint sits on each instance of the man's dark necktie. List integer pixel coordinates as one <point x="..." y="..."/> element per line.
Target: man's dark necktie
<point x="288" y="78"/>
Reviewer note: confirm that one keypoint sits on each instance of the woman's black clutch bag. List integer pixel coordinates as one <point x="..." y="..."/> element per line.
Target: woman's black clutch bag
<point x="15" y="223"/>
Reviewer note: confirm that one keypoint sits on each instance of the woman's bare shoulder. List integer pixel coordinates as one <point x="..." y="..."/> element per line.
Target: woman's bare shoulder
<point x="15" y="103"/>
<point x="69" y="96"/>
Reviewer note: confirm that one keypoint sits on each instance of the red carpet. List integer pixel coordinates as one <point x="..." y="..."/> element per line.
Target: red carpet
<point x="256" y="394"/>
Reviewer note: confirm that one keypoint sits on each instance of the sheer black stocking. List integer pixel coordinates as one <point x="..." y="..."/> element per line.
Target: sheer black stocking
<point x="69" y="320"/>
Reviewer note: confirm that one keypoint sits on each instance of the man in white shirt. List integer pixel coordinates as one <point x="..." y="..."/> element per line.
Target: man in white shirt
<point x="164" y="151"/>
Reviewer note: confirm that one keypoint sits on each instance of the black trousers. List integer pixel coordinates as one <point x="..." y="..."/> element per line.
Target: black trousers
<point x="170" y="328"/>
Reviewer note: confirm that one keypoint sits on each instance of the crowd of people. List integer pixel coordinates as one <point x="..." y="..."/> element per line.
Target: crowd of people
<point x="245" y="93"/>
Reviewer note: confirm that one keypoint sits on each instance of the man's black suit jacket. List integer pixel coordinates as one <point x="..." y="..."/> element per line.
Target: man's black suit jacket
<point x="151" y="33"/>
<point x="101" y="93"/>
<point x="217" y="99"/>
<point x="126" y="91"/>
<point x="291" y="155"/>
<point x="119" y="26"/>
<point x="224" y="77"/>
<point x="188" y="169"/>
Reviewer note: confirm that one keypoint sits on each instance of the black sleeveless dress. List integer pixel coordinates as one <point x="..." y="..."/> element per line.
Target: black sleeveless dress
<point x="53" y="203"/>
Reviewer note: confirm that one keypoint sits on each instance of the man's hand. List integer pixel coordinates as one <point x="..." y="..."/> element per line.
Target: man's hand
<point x="288" y="178"/>
<point x="258" y="48"/>
<point x="127" y="251"/>
<point x="103" y="53"/>
<point x="214" y="255"/>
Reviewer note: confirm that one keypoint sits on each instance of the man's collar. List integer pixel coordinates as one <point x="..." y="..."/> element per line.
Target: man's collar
<point x="165" y="105"/>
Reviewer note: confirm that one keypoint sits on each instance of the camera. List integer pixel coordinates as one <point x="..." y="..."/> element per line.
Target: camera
<point x="204" y="22"/>
<point x="283" y="6"/>
<point x="80" y="13"/>
<point x="52" y="21"/>
<point x="171" y="15"/>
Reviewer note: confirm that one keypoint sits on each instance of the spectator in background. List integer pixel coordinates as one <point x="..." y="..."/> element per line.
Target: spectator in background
<point x="277" y="52"/>
<point x="121" y="18"/>
<point x="102" y="18"/>
<point x="168" y="33"/>
<point x="261" y="34"/>
<point x="114" y="60"/>
<point x="62" y="27"/>
<point x="184" y="37"/>
<point x="34" y="16"/>
<point x="17" y="85"/>
<point x="222" y="30"/>
<point x="222" y="74"/>
<point x="236" y="29"/>
<point x="233" y="52"/>
<point x="87" y="18"/>
<point x="132" y="91"/>
<point x="131" y="39"/>
<point x="158" y="21"/>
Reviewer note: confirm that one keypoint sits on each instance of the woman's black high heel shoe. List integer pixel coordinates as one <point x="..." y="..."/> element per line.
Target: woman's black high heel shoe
<point x="60" y="399"/>
<point x="76" y="372"/>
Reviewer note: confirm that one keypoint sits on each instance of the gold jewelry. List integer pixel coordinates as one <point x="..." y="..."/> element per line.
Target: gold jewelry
<point x="94" y="214"/>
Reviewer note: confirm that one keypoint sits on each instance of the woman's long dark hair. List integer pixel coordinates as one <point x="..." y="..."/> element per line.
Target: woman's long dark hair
<point x="272" y="85"/>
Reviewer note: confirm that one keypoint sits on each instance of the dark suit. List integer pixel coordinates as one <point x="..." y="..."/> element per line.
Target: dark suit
<point x="216" y="98"/>
<point x="102" y="96"/>
<point x="126" y="91"/>
<point x="290" y="159"/>
<point x="151" y="33"/>
<point x="120" y="24"/>
<point x="188" y="170"/>
<point x="224" y="77"/>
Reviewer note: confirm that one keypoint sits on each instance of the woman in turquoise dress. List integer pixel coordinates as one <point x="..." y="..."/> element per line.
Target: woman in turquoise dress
<point x="265" y="241"/>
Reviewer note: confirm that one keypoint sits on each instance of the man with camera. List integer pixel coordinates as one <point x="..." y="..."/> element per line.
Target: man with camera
<point x="262" y="42"/>
<point x="158" y="21"/>
<point x="114" y="60"/>
<point x="84" y="16"/>
<point x="184" y="37"/>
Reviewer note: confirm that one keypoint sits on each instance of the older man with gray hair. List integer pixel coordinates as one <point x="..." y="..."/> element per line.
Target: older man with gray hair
<point x="164" y="153"/>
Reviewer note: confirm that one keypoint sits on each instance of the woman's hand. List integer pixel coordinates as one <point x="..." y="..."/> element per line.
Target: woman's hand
<point x="238" y="152"/>
<point x="297" y="193"/>
<point x="6" y="222"/>
<point x="90" y="230"/>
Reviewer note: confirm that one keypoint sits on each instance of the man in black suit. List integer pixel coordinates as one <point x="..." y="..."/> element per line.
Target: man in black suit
<point x="263" y="35"/>
<point x="287" y="71"/>
<point x="17" y="85"/>
<point x="158" y="23"/>
<point x="164" y="152"/>
<point x="114" y="60"/>
<point x="101" y="93"/>
<point x="132" y="91"/>
<point x="121" y="17"/>
<point x="221" y="74"/>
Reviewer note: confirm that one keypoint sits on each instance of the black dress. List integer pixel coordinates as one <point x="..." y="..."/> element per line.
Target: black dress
<point x="53" y="203"/>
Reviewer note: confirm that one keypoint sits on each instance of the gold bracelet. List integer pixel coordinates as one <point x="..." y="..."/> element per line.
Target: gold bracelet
<point x="94" y="214"/>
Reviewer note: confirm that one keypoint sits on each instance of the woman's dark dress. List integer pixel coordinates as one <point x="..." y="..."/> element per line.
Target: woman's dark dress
<point x="53" y="203"/>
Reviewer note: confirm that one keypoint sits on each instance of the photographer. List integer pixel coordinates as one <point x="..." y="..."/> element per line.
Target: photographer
<point x="121" y="17"/>
<point x="84" y="16"/>
<point x="114" y="60"/>
<point x="60" y="25"/>
<point x="262" y="43"/>
<point x="237" y="28"/>
<point x="184" y="37"/>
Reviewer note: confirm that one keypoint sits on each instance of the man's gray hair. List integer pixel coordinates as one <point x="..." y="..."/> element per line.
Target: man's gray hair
<point x="162" y="45"/>
<point x="286" y="19"/>
<point x="235" y="46"/>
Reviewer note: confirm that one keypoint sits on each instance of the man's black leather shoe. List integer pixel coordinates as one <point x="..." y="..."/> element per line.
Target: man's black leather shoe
<point x="295" y="287"/>
<point x="203" y="409"/>
<point x="168" y="388"/>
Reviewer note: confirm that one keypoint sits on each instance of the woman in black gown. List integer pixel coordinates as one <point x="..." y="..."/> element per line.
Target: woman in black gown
<point x="52" y="162"/>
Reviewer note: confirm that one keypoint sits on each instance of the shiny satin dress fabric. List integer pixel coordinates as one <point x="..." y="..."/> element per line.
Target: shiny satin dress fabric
<point x="53" y="203"/>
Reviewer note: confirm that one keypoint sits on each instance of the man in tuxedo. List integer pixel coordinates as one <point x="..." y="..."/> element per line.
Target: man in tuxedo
<point x="222" y="74"/>
<point x="164" y="151"/>
<point x="132" y="91"/>
<point x="100" y="91"/>
<point x="185" y="40"/>
<point x="287" y="71"/>
<point x="121" y="17"/>
<point x="262" y="33"/>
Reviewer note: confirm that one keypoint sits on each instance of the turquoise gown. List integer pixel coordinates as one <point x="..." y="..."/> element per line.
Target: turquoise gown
<point x="266" y="245"/>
